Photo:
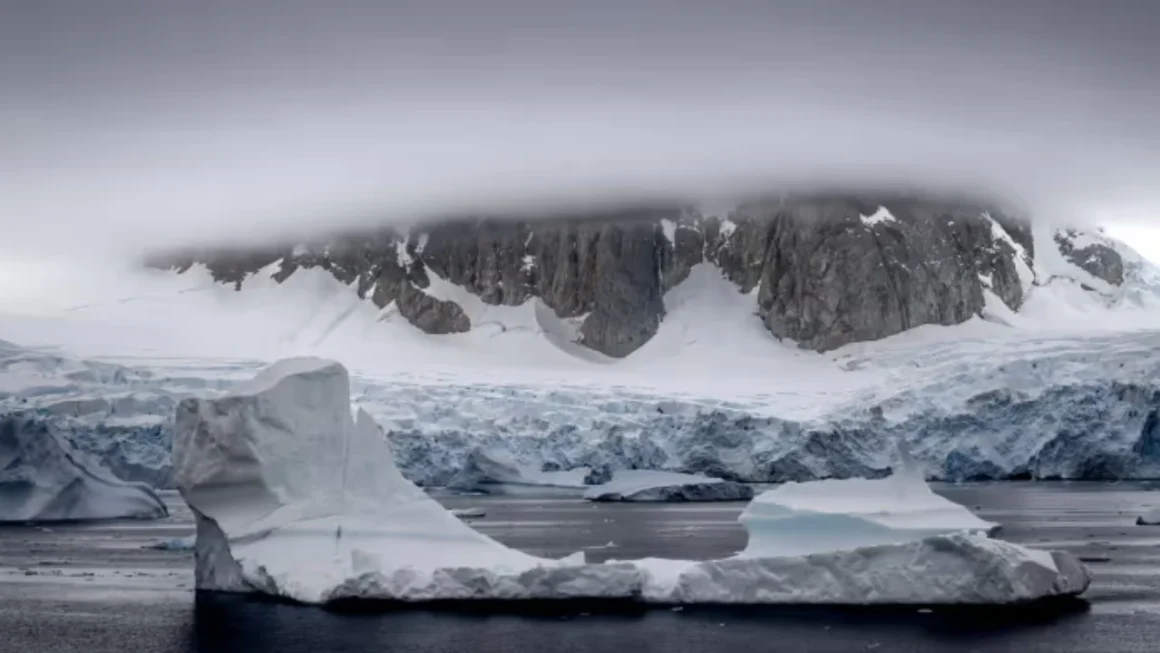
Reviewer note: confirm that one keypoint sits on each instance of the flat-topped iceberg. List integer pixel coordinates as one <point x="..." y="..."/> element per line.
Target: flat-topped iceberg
<point x="297" y="498"/>
<point x="819" y="516"/>
<point x="42" y="478"/>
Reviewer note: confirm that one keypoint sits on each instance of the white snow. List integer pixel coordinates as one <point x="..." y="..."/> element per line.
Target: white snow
<point x="713" y="387"/>
<point x="295" y="498"/>
<point x="880" y="216"/>
<point x="712" y="390"/>
<point x="42" y="478"/>
<point x="820" y="516"/>
<point x="727" y="228"/>
<point x="1022" y="266"/>
<point x="669" y="229"/>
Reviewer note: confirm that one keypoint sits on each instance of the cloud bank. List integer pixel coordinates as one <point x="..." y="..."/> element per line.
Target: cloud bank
<point x="130" y="125"/>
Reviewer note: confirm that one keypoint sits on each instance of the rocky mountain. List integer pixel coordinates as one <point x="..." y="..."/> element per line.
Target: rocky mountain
<point x="824" y="269"/>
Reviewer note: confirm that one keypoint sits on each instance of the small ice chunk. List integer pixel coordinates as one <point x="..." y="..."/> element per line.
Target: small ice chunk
<point x="469" y="513"/>
<point x="1150" y="518"/>
<point x="646" y="485"/>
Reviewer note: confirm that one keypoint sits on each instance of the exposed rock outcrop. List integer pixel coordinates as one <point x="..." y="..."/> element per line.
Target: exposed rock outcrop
<point x="1097" y="259"/>
<point x="829" y="268"/>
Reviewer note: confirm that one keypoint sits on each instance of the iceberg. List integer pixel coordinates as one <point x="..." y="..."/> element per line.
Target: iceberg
<point x="818" y="516"/>
<point x="42" y="478"/>
<point x="469" y="513"/>
<point x="296" y="497"/>
<point x="645" y="485"/>
<point x="1150" y="518"/>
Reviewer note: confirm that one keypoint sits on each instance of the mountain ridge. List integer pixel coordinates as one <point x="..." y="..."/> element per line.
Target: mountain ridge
<point x="825" y="269"/>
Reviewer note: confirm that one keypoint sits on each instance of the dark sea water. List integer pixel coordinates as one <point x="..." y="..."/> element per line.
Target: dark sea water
<point x="93" y="588"/>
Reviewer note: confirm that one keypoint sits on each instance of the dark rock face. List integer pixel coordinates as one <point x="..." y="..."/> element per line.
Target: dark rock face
<point x="830" y="269"/>
<point x="838" y="269"/>
<point x="1100" y="261"/>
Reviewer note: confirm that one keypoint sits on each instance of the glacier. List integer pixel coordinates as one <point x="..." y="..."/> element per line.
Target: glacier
<point x="1067" y="388"/>
<point x="1048" y="407"/>
<point x="296" y="497"/>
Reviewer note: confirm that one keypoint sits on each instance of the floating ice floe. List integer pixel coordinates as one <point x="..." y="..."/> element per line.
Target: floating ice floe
<point x="297" y="498"/>
<point x="645" y="485"/>
<point x="489" y="470"/>
<point x="818" y="516"/>
<point x="469" y="513"/>
<point x="173" y="544"/>
<point x="42" y="478"/>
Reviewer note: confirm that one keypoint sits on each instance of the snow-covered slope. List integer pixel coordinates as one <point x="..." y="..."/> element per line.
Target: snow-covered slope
<point x="295" y="498"/>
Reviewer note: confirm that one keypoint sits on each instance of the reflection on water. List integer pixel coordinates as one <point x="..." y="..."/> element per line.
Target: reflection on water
<point x="227" y="623"/>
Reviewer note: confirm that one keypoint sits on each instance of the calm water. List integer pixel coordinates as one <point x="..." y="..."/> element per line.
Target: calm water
<point x="93" y="588"/>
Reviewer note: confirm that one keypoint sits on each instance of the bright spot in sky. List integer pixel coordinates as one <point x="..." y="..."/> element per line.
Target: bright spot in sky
<point x="1145" y="239"/>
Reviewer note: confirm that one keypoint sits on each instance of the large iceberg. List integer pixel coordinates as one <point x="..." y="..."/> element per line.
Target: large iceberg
<point x="42" y="478"/>
<point x="297" y="498"/>
<point x="818" y="516"/>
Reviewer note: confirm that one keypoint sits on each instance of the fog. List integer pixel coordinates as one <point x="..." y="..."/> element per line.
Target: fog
<point x="134" y="124"/>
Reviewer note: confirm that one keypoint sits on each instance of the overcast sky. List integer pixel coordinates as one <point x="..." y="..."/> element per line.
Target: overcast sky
<point x="128" y="123"/>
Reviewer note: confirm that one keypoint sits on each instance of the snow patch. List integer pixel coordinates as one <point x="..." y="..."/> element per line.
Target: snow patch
<point x="669" y="229"/>
<point x="1022" y="261"/>
<point x="880" y="216"/>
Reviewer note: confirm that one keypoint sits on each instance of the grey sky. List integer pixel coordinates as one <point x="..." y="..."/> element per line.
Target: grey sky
<point x="141" y="122"/>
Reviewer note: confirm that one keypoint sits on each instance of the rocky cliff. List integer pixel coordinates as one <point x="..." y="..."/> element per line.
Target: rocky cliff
<point x="825" y="269"/>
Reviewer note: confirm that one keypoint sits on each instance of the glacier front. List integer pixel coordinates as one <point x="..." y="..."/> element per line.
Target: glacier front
<point x="297" y="498"/>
